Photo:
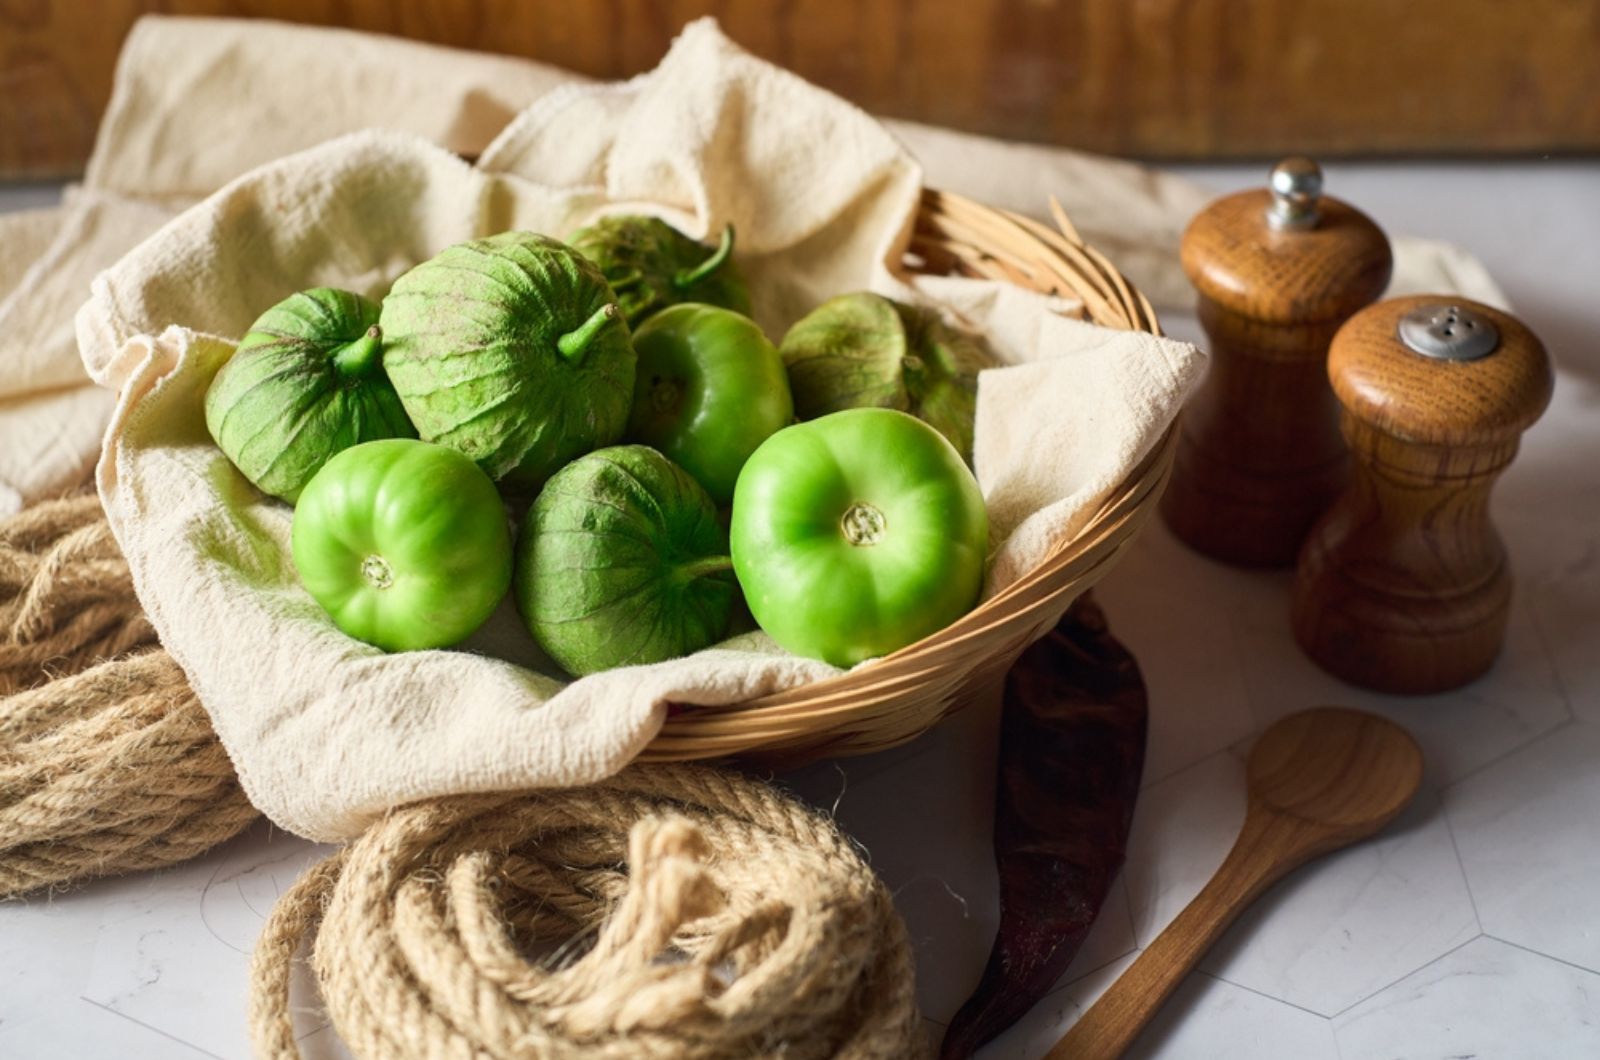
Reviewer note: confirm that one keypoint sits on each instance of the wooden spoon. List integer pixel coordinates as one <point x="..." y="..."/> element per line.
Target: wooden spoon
<point x="1318" y="780"/>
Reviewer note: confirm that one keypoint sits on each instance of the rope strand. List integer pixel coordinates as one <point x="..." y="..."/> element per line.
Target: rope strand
<point x="108" y="763"/>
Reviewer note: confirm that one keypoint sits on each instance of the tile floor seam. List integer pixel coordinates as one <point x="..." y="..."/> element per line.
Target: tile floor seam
<point x="1421" y="967"/>
<point x="1466" y="878"/>
<point x="148" y="1027"/>
<point x="1075" y="980"/>
<point x="1156" y="931"/>
<point x="326" y="1027"/>
<point x="1127" y="901"/>
<point x="1541" y="953"/>
<point x="1565" y="724"/>
<point x="1258" y="993"/>
<point x="1550" y="659"/>
<point x="1226" y="749"/>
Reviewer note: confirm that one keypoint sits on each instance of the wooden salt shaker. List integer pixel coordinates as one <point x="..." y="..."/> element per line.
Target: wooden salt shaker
<point x="1260" y="457"/>
<point x="1403" y="585"/>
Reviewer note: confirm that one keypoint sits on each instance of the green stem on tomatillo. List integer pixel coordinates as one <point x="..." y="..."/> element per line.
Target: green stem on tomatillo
<point x="689" y="277"/>
<point x="575" y="343"/>
<point x="704" y="567"/>
<point x="357" y="359"/>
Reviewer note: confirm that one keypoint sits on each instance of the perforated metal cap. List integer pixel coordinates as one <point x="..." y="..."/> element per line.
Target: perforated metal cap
<point x="1450" y="331"/>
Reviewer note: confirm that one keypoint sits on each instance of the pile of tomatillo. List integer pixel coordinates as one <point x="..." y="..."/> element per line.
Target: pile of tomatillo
<point x="671" y="467"/>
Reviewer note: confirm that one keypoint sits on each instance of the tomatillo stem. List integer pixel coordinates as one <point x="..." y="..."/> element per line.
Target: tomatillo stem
<point x="862" y="524"/>
<point x="913" y="369"/>
<point x="623" y="281"/>
<point x="705" y="566"/>
<point x="688" y="277"/>
<point x="575" y="343"/>
<point x="376" y="570"/>
<point x="666" y="394"/>
<point x="357" y="359"/>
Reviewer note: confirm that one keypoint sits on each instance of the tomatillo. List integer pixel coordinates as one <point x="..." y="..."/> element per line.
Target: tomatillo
<point x="404" y="543"/>
<point x="622" y="562"/>
<point x="709" y="388"/>
<point x="856" y="534"/>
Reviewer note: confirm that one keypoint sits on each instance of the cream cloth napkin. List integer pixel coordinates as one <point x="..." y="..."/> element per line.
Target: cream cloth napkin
<point x="200" y="101"/>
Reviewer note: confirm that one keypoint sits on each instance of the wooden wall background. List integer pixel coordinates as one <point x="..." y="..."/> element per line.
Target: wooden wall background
<point x="1150" y="78"/>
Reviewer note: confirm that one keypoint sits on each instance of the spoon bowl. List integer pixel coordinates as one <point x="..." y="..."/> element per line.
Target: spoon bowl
<point x="1335" y="766"/>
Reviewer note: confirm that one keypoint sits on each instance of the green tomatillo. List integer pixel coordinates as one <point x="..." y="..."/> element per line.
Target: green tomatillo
<point x="513" y="350"/>
<point x="856" y="534"/>
<point x="652" y="265"/>
<point x="862" y="350"/>
<point x="621" y="561"/>
<point x="305" y="383"/>
<point x="710" y="388"/>
<point x="405" y="544"/>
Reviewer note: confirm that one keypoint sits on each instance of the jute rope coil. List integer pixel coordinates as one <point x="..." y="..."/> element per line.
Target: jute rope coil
<point x="672" y="911"/>
<point x="108" y="763"/>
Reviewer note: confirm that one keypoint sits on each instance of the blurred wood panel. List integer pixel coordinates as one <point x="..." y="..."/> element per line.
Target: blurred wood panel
<point x="1151" y="78"/>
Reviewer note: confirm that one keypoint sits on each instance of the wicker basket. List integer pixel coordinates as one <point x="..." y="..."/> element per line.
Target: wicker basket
<point x="906" y="693"/>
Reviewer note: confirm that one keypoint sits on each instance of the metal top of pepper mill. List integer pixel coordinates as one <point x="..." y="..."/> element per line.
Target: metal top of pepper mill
<point x="1296" y="185"/>
<point x="1320" y="266"/>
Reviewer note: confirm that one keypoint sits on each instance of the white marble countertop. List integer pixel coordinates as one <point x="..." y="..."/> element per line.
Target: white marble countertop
<point x="1470" y="928"/>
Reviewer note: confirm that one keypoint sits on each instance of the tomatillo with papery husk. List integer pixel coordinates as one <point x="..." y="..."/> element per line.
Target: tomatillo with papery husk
<point x="304" y="383"/>
<point x="856" y="534"/>
<point x="513" y="350"/>
<point x="652" y="265"/>
<point x="622" y="562"/>
<point x="404" y="543"/>
<point x="863" y="350"/>
<point x="709" y="388"/>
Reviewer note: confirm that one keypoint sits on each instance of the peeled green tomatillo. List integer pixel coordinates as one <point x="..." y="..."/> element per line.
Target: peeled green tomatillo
<point x="862" y="350"/>
<point x="405" y="544"/>
<point x="856" y="534"/>
<point x="305" y="382"/>
<point x="710" y="388"/>
<point x="652" y="265"/>
<point x="513" y="350"/>
<point x="621" y="562"/>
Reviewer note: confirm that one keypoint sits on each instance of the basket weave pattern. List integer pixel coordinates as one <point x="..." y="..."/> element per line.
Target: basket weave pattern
<point x="904" y="694"/>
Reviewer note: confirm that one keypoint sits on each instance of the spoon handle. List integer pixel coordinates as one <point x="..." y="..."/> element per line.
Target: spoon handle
<point x="1267" y="847"/>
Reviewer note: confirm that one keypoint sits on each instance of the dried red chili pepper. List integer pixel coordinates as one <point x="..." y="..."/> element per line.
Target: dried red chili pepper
<point x="1072" y="739"/>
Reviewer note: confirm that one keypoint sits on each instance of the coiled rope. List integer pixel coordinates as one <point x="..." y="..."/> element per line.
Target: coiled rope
<point x="672" y="911"/>
<point x="108" y="763"/>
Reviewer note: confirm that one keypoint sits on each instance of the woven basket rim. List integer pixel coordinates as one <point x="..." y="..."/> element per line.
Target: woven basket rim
<point x="860" y="710"/>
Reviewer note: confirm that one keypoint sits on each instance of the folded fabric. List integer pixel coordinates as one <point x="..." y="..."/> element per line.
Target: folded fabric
<point x="329" y="733"/>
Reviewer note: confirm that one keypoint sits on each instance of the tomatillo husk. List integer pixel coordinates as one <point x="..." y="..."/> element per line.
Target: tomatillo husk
<point x="863" y="350"/>
<point x="652" y="265"/>
<point x="622" y="561"/>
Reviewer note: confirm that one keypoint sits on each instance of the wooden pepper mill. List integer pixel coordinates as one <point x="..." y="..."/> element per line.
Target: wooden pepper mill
<point x="1403" y="586"/>
<point x="1260" y="455"/>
